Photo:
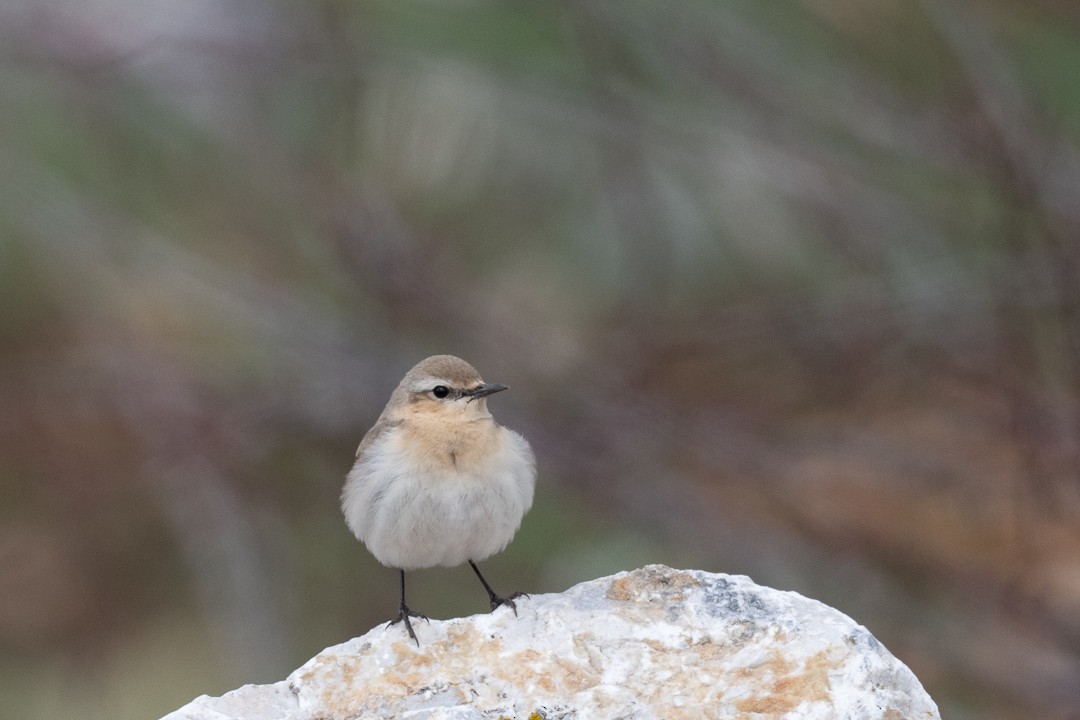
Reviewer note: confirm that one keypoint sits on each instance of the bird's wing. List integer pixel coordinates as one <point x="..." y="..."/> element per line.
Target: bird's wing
<point x="381" y="425"/>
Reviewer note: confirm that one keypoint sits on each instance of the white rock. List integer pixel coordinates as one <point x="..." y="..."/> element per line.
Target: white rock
<point x="652" y="643"/>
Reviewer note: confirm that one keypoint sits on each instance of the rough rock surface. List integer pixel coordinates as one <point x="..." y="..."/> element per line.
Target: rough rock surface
<point x="652" y="643"/>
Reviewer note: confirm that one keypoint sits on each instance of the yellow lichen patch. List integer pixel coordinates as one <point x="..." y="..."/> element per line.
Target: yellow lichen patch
<point x="655" y="646"/>
<point x="462" y="636"/>
<point x="711" y="653"/>
<point x="621" y="590"/>
<point x="526" y="668"/>
<point x="528" y="656"/>
<point x="648" y="581"/>
<point x="545" y="683"/>
<point x="692" y="712"/>
<point x="348" y="669"/>
<point x="789" y="687"/>
<point x="576" y="677"/>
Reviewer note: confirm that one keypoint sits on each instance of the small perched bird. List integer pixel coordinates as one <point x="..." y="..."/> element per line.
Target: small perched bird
<point x="437" y="481"/>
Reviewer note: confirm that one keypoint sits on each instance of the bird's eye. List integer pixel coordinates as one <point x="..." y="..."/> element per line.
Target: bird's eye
<point x="440" y="391"/>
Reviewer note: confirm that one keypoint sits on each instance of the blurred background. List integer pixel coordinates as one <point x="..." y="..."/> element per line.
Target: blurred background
<point x="789" y="289"/>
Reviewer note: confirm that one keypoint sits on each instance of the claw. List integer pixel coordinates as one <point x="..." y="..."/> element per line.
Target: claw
<point x="497" y="600"/>
<point x="403" y="616"/>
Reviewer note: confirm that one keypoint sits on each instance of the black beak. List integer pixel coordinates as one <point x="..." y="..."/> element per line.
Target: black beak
<point x="483" y="390"/>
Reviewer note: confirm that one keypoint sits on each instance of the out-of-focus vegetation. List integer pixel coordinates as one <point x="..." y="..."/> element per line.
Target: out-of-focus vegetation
<point x="785" y="288"/>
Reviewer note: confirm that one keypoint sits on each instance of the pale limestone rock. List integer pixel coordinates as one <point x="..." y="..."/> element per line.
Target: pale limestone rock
<point x="652" y="643"/>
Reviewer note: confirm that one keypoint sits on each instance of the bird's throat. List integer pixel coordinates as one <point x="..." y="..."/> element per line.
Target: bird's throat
<point x="459" y="446"/>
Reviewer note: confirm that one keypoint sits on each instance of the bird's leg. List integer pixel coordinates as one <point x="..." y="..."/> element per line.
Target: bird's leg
<point x="496" y="600"/>
<point x="404" y="613"/>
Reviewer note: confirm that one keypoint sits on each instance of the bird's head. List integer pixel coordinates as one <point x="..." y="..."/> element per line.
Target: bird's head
<point x="445" y="386"/>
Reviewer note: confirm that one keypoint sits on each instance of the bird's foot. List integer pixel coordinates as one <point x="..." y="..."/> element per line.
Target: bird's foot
<point x="404" y="613"/>
<point x="497" y="600"/>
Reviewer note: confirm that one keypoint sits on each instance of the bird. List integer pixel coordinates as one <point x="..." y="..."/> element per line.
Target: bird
<point x="436" y="481"/>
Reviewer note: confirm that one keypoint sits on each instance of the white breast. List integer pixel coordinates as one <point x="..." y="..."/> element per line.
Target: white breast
<point x="414" y="514"/>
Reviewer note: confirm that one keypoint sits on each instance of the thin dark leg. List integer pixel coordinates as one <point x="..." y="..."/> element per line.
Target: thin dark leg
<point x="404" y="613"/>
<point x="496" y="600"/>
